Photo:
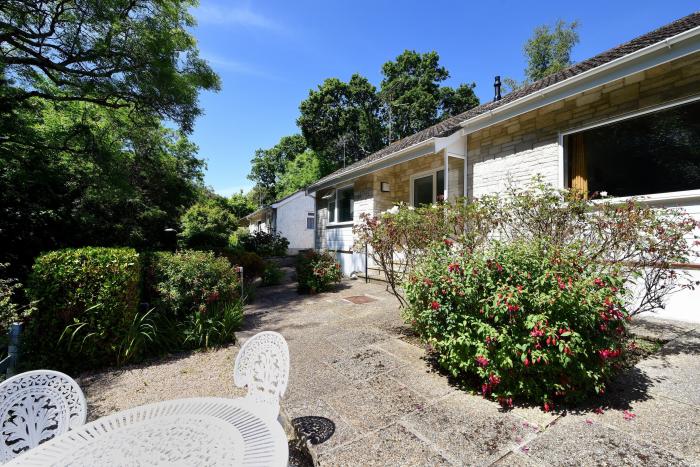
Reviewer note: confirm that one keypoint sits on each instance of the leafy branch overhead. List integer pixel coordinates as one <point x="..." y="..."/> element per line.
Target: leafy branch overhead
<point x="115" y="53"/>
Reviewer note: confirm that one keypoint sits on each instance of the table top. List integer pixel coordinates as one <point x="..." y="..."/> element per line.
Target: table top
<point x="199" y="431"/>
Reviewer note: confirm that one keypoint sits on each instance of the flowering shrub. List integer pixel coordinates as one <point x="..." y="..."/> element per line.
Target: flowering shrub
<point x="535" y="305"/>
<point x="265" y="244"/>
<point x="528" y="319"/>
<point x="317" y="271"/>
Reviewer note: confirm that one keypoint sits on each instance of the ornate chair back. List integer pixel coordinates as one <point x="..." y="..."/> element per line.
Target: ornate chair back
<point x="262" y="365"/>
<point x="36" y="406"/>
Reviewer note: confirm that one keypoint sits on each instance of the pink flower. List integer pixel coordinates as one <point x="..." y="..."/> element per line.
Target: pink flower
<point x="454" y="267"/>
<point x="482" y="361"/>
<point x="494" y="380"/>
<point x="599" y="282"/>
<point x="589" y="421"/>
<point x="548" y="406"/>
<point x="435" y="305"/>
<point x="628" y="415"/>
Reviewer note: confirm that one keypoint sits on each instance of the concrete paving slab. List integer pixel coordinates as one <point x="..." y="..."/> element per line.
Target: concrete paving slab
<point x="391" y="446"/>
<point x="364" y="363"/>
<point x="376" y="403"/>
<point x="312" y="378"/>
<point x="571" y="441"/>
<point x="468" y="429"/>
<point x="655" y="328"/>
<point x="353" y="338"/>
<point x="404" y="351"/>
<point x="423" y="381"/>
<point x="513" y="459"/>
<point x="677" y="430"/>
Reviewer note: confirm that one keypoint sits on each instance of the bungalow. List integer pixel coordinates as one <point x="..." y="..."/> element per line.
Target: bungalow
<point x="293" y="217"/>
<point x="626" y="121"/>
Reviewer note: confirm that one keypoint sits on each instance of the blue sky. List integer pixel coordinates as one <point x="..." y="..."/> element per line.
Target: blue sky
<point x="270" y="53"/>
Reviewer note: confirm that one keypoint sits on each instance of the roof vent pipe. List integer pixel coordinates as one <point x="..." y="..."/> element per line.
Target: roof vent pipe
<point x="497" y="89"/>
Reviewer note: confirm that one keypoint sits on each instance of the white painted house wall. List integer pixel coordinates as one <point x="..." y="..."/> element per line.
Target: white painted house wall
<point x="291" y="220"/>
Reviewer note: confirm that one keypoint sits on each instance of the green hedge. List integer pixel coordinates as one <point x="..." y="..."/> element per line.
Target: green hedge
<point x="97" y="287"/>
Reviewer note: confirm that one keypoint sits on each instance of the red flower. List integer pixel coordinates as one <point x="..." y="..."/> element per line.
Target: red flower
<point x="435" y="305"/>
<point x="427" y="282"/>
<point x="448" y="242"/>
<point x="482" y="361"/>
<point x="548" y="406"/>
<point x="454" y="267"/>
<point x="599" y="282"/>
<point x="628" y="415"/>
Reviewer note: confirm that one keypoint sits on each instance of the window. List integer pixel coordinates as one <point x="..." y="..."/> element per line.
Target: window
<point x="657" y="152"/>
<point x="310" y="220"/>
<point x="341" y="205"/>
<point x="345" y="204"/>
<point x="428" y="188"/>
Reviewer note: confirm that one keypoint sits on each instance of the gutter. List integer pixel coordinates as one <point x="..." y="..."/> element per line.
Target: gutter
<point x="494" y="116"/>
<point x="369" y="167"/>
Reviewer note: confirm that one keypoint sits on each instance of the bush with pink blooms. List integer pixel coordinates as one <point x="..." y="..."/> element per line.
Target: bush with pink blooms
<point x="536" y="308"/>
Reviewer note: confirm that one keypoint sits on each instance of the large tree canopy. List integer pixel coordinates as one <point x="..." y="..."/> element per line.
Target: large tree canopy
<point x="268" y="166"/>
<point x="413" y="96"/>
<point x="341" y="121"/>
<point x="83" y="174"/>
<point x="116" y="53"/>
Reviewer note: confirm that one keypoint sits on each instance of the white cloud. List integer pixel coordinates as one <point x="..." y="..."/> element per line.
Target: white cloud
<point x="242" y="16"/>
<point x="219" y="63"/>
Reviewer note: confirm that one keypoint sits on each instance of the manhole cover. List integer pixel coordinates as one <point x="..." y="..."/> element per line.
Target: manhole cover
<point x="315" y="429"/>
<point x="360" y="299"/>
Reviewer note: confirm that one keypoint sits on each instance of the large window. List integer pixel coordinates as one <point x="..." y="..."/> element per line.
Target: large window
<point x="427" y="188"/>
<point x="341" y="205"/>
<point x="657" y="152"/>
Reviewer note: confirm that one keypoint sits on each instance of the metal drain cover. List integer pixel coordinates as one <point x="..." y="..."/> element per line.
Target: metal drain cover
<point x="315" y="429"/>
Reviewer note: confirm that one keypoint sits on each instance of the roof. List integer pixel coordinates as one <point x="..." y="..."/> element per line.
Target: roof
<point x="453" y="124"/>
<point x="276" y="204"/>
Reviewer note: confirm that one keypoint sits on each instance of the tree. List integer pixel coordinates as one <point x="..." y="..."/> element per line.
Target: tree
<point x="341" y="121"/>
<point x="207" y="224"/>
<point x="135" y="54"/>
<point x="76" y="174"/>
<point x="268" y="165"/>
<point x="547" y="51"/>
<point x="300" y="173"/>
<point x="413" y="97"/>
<point x="241" y="204"/>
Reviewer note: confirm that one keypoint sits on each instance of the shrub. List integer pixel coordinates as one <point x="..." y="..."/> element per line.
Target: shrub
<point x="317" y="271"/>
<point x="188" y="281"/>
<point x="214" y="326"/>
<point x="265" y="244"/>
<point x="10" y="310"/>
<point x="252" y="264"/>
<point x="95" y="288"/>
<point x="528" y="319"/>
<point x="272" y="275"/>
<point x="207" y="224"/>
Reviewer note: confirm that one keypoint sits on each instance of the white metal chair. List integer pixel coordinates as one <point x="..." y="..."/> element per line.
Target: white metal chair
<point x="262" y="365"/>
<point x="36" y="406"/>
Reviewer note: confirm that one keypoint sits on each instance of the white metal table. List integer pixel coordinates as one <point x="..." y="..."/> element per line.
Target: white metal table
<point x="200" y="431"/>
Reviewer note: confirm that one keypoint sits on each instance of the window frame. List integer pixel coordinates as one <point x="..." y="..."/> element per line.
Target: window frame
<point x="425" y="174"/>
<point x="334" y="199"/>
<point x="310" y="216"/>
<point x="650" y="198"/>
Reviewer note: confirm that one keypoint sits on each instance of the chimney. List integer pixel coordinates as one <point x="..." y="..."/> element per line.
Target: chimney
<point x="497" y="89"/>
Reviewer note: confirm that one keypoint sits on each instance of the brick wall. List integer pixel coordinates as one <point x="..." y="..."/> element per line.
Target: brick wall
<point x="524" y="146"/>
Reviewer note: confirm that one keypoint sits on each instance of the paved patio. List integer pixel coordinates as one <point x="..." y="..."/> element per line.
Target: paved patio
<point x="356" y="365"/>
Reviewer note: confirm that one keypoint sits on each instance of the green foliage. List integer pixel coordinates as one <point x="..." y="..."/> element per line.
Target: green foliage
<point x="341" y="121"/>
<point x="241" y="204"/>
<point x="268" y="166"/>
<point x="92" y="288"/>
<point x="528" y="319"/>
<point x="10" y="309"/>
<point x="265" y="244"/>
<point x="214" y="326"/>
<point x="189" y="281"/>
<point x="300" y="173"/>
<point x="317" y="271"/>
<point x="414" y="98"/>
<point x="548" y="51"/>
<point x="207" y="224"/>
<point x="116" y="54"/>
<point x="78" y="174"/>
<point x="253" y="265"/>
<point x="272" y="275"/>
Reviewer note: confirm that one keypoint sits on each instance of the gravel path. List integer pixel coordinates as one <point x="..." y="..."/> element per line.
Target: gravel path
<point x="190" y="374"/>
